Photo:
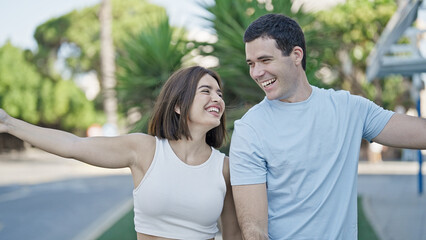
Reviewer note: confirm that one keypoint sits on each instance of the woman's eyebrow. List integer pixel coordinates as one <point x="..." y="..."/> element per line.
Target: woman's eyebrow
<point x="209" y="87"/>
<point x="205" y="86"/>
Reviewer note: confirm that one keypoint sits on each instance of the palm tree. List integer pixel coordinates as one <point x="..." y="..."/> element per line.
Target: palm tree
<point x="108" y="66"/>
<point x="146" y="63"/>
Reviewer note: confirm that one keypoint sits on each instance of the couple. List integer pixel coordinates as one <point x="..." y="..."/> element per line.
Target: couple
<point x="293" y="158"/>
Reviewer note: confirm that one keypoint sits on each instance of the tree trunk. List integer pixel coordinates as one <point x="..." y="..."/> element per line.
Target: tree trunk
<point x="108" y="68"/>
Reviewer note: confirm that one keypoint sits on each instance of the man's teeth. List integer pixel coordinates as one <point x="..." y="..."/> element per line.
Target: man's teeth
<point x="213" y="109"/>
<point x="269" y="82"/>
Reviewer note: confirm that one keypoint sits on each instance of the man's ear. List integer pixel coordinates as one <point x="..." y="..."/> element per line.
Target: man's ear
<point x="297" y="55"/>
<point x="177" y="109"/>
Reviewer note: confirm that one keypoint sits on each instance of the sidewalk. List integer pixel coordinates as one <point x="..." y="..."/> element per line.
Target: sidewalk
<point x="391" y="200"/>
<point x="45" y="197"/>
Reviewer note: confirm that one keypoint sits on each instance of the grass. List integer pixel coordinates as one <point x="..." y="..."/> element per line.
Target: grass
<point x="365" y="230"/>
<point x="124" y="229"/>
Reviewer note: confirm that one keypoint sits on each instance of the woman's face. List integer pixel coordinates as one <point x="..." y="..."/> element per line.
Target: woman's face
<point x="208" y="105"/>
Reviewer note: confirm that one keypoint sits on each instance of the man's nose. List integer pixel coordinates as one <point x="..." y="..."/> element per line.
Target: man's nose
<point x="257" y="71"/>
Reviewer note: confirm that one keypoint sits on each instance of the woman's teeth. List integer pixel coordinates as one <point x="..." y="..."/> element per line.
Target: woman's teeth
<point x="213" y="109"/>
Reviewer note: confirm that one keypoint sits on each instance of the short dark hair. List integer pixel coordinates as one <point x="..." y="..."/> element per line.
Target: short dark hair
<point x="285" y="31"/>
<point x="179" y="91"/>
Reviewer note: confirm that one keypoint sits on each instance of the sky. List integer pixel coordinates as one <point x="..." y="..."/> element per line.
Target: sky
<point x="19" y="18"/>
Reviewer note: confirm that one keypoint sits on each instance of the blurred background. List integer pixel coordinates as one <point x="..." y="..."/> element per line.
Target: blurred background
<point x="95" y="67"/>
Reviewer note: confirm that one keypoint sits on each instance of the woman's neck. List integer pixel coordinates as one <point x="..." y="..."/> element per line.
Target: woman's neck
<point x="191" y="151"/>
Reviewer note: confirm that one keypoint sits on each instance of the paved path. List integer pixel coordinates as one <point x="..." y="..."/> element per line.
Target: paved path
<point x="393" y="206"/>
<point x="66" y="209"/>
<point x="46" y="197"/>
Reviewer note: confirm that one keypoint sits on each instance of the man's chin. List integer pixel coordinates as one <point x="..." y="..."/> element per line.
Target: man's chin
<point x="271" y="97"/>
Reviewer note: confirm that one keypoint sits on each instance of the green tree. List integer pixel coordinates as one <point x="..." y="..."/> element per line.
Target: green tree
<point x="353" y="30"/>
<point x="107" y="58"/>
<point x="147" y="61"/>
<point x="19" y="84"/>
<point x="79" y="32"/>
<point x="26" y="94"/>
<point x="76" y="39"/>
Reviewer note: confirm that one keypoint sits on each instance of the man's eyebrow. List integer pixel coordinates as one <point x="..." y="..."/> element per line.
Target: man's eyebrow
<point x="263" y="57"/>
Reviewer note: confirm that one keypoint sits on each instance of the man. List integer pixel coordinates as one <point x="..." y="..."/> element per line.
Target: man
<point x="294" y="155"/>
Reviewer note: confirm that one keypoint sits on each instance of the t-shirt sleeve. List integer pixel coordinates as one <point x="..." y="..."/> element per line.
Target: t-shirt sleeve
<point x="375" y="119"/>
<point x="247" y="164"/>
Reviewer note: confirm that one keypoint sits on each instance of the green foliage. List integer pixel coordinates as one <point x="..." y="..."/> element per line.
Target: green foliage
<point x="353" y="30"/>
<point x="79" y="31"/>
<point x="356" y="26"/>
<point x="148" y="59"/>
<point x="25" y="94"/>
<point x="19" y="82"/>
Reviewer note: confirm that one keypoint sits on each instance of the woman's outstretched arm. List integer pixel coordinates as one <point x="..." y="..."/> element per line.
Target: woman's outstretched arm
<point x="108" y="152"/>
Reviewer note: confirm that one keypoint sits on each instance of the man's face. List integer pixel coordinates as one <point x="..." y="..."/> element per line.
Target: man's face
<point x="272" y="71"/>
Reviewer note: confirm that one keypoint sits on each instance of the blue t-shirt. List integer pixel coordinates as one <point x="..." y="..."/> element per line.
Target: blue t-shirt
<point x="307" y="153"/>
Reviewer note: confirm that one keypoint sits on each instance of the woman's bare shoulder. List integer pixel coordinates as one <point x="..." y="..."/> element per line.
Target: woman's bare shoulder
<point x="142" y="142"/>
<point x="143" y="137"/>
<point x="144" y="146"/>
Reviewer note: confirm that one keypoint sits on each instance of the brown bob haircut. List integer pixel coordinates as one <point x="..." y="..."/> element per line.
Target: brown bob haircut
<point x="179" y="91"/>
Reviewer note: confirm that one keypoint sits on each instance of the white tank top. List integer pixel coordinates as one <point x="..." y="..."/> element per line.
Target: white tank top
<point x="177" y="200"/>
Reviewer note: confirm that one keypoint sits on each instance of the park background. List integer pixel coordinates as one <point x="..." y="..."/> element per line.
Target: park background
<point x="59" y="76"/>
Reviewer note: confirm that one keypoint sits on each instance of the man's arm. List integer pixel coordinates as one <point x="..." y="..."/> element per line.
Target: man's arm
<point x="403" y="131"/>
<point x="229" y="223"/>
<point x="251" y="204"/>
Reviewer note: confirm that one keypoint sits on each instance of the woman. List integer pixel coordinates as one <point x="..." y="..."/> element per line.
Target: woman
<point x="181" y="181"/>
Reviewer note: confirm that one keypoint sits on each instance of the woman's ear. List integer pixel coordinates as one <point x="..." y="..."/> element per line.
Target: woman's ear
<point x="177" y="109"/>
